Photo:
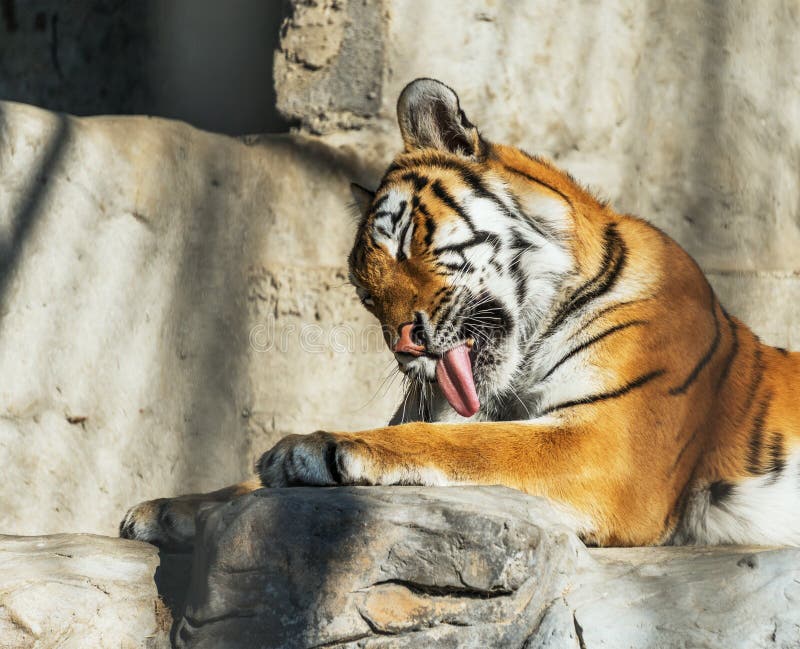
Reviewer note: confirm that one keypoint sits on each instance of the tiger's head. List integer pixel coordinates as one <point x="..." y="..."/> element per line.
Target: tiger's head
<point x="462" y="251"/>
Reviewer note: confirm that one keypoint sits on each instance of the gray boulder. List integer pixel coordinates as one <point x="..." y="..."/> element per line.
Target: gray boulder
<point x="465" y="567"/>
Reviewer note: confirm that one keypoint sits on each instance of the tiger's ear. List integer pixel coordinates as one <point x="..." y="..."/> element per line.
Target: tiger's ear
<point x="430" y="117"/>
<point x="362" y="198"/>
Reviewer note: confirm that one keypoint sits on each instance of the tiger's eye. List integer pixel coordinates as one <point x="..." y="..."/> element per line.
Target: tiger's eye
<point x="365" y="297"/>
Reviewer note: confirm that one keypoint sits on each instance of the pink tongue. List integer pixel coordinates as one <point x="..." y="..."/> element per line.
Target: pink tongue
<point x="454" y="373"/>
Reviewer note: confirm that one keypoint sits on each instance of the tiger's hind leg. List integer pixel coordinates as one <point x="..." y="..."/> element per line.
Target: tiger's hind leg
<point x="169" y="523"/>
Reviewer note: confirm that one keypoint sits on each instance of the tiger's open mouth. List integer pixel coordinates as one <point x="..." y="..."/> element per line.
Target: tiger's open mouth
<point x="454" y="362"/>
<point x="456" y="380"/>
<point x="453" y="370"/>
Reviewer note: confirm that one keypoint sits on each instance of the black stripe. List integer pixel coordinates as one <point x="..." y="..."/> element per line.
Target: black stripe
<point x="384" y="232"/>
<point x="783" y="351"/>
<point x="399" y="213"/>
<point x="758" y="375"/>
<point x="592" y="341"/>
<point x="529" y="220"/>
<point x="401" y="255"/>
<point x="675" y="515"/>
<point x="519" y="242"/>
<point x="777" y="458"/>
<point x="389" y="171"/>
<point x="611" y="308"/>
<point x="720" y="491"/>
<point x="465" y="266"/>
<point x="549" y="165"/>
<point x="628" y="387"/>
<point x="444" y="196"/>
<point x="437" y="308"/>
<point x="507" y="319"/>
<point x="432" y="160"/>
<point x="726" y="368"/>
<point x="473" y="180"/>
<point x="475" y="183"/>
<point x="331" y="463"/>
<point x="376" y="205"/>
<point x="413" y="177"/>
<point x="684" y="448"/>
<point x="469" y="177"/>
<point x="610" y="268"/>
<point x="682" y="502"/>
<point x="456" y="247"/>
<point x="755" y="442"/>
<point x="478" y="239"/>
<point x="681" y="389"/>
<point x="520" y="288"/>
<point x="430" y="223"/>
<point x="448" y="309"/>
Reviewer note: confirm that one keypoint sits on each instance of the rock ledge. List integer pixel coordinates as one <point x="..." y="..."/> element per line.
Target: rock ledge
<point x="465" y="567"/>
<point x="75" y="591"/>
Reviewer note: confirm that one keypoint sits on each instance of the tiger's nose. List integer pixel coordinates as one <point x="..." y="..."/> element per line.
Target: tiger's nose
<point x="412" y="339"/>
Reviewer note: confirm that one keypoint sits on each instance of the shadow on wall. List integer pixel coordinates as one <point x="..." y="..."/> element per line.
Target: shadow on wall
<point x="209" y="316"/>
<point x="205" y="62"/>
<point x="24" y="215"/>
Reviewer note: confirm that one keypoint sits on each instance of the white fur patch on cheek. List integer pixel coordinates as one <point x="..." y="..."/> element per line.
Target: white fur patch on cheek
<point x="451" y="258"/>
<point x="487" y="215"/>
<point x="453" y="232"/>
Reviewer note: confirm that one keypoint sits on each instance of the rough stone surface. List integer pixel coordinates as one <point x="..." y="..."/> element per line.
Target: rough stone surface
<point x="75" y="591"/>
<point x="384" y="567"/>
<point x="466" y="567"/>
<point x="330" y="64"/>
<point x="724" y="597"/>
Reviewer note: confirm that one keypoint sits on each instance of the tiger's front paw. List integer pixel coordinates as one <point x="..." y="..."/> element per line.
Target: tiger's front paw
<point x="320" y="459"/>
<point x="166" y="522"/>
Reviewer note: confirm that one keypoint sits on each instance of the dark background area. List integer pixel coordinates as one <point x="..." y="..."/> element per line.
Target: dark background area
<point x="206" y="62"/>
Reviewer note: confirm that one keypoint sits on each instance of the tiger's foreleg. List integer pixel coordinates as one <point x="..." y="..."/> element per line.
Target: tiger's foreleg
<point x="576" y="466"/>
<point x="169" y="522"/>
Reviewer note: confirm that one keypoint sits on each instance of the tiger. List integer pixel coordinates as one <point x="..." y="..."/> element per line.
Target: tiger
<point x="553" y="346"/>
